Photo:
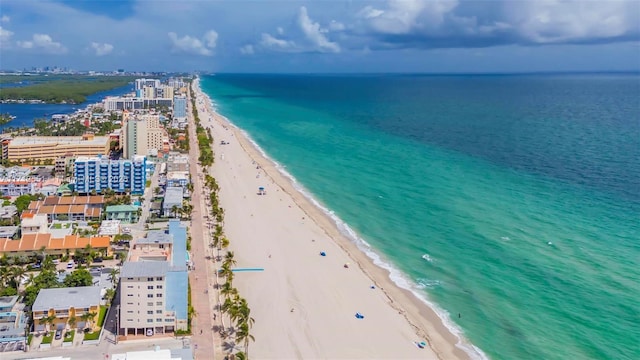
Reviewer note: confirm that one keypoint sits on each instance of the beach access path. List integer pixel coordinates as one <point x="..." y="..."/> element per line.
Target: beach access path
<point x="305" y="304"/>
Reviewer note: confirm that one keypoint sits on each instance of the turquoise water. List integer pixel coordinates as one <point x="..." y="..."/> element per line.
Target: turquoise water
<point x="512" y="201"/>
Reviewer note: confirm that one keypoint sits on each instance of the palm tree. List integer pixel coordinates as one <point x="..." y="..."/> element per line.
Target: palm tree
<point x="85" y="318"/>
<point x="16" y="273"/>
<point x="229" y="259"/>
<point x="243" y="335"/>
<point x="91" y="317"/>
<point x="227" y="290"/>
<point x="114" y="273"/>
<point x="174" y="210"/>
<point x="48" y="321"/>
<point x="72" y="322"/>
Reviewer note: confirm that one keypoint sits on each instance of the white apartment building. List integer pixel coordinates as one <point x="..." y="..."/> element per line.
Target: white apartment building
<point x="154" y="284"/>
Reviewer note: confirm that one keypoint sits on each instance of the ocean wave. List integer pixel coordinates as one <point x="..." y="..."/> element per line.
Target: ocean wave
<point x="399" y="278"/>
<point x="427" y="283"/>
<point x="427" y="257"/>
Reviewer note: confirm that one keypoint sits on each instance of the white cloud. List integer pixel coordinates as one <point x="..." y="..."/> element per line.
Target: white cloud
<point x="43" y="42"/>
<point x="102" y="49"/>
<point x="210" y="37"/>
<point x="314" y="33"/>
<point x="247" y="50"/>
<point x="402" y="16"/>
<point x="5" y="19"/>
<point x="336" y="26"/>
<point x="280" y="30"/>
<point x="551" y="21"/>
<point x="192" y="45"/>
<point x="272" y="42"/>
<point x="5" y="38"/>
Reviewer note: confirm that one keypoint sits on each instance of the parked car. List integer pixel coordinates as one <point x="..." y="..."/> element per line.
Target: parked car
<point x="97" y="260"/>
<point x="58" y="334"/>
<point x="70" y="265"/>
<point x="56" y="261"/>
<point x="149" y="332"/>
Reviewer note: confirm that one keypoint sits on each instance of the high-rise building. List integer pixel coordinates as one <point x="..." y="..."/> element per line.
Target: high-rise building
<point x="179" y="106"/>
<point x="101" y="173"/>
<point x="142" y="135"/>
<point x="141" y="83"/>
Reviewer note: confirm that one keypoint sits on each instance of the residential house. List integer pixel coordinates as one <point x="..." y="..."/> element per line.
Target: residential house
<point x="66" y="303"/>
<point x="127" y="214"/>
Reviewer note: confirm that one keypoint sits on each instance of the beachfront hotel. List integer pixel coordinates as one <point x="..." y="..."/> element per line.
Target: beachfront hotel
<point x="101" y="173"/>
<point x="23" y="148"/>
<point x="154" y="283"/>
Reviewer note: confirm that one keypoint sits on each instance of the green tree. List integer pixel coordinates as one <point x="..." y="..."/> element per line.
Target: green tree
<point x="72" y="322"/>
<point x="80" y="277"/>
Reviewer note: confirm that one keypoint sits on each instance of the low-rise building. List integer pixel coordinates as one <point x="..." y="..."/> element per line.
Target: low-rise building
<point x="74" y="208"/>
<point x="8" y="212"/>
<point x="177" y="178"/>
<point x="172" y="200"/>
<point x="30" y="243"/>
<point x="23" y="148"/>
<point x="13" y="322"/>
<point x="109" y="228"/>
<point x="153" y="292"/>
<point x="127" y="214"/>
<point x="34" y="223"/>
<point x="9" y="232"/>
<point x="177" y="162"/>
<point x="66" y="303"/>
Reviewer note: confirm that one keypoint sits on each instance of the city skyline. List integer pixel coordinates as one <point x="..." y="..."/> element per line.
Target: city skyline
<point x="316" y="36"/>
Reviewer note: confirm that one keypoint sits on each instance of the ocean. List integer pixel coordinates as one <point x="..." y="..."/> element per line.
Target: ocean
<point x="509" y="202"/>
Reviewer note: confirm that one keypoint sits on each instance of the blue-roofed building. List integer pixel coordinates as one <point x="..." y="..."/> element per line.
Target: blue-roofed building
<point x="154" y="284"/>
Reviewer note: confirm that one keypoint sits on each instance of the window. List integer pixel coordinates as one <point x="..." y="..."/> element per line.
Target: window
<point x="159" y="303"/>
<point x="129" y="294"/>
<point x="150" y="312"/>
<point x="129" y="286"/>
<point x="158" y="295"/>
<point x="158" y="311"/>
<point x="150" y="287"/>
<point x="129" y="303"/>
<point x="150" y="304"/>
<point x="129" y="311"/>
<point x="130" y="320"/>
<point x="149" y="279"/>
<point x="149" y="295"/>
<point x="168" y="320"/>
<point x="149" y="320"/>
<point x="159" y="320"/>
<point x="159" y="287"/>
<point x="159" y="278"/>
<point x="129" y="278"/>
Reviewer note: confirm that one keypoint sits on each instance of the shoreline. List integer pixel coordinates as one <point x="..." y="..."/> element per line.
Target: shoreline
<point x="420" y="314"/>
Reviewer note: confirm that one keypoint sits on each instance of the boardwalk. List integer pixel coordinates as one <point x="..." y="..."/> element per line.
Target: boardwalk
<point x="205" y="340"/>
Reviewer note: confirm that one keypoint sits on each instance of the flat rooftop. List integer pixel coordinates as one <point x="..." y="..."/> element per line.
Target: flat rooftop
<point x="71" y="140"/>
<point x="65" y="298"/>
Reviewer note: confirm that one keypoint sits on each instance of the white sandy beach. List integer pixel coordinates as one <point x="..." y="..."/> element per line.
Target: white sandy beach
<point x="284" y="233"/>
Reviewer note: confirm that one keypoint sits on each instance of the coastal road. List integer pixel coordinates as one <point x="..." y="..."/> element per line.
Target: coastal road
<point x="204" y="339"/>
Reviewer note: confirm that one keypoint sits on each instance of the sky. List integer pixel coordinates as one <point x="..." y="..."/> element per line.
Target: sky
<point x="321" y="36"/>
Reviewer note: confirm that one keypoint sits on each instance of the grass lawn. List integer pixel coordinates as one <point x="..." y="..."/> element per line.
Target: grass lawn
<point x="57" y="226"/>
<point x="92" y="336"/>
<point x="47" y="339"/>
<point x="68" y="337"/>
<point x="101" y="316"/>
<point x="29" y="339"/>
